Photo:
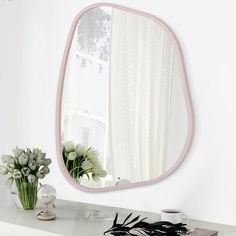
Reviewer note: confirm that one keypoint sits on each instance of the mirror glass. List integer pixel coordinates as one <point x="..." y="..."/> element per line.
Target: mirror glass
<point x="124" y="102"/>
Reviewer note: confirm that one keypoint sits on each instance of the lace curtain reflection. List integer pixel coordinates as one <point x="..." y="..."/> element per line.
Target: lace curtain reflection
<point x="141" y="65"/>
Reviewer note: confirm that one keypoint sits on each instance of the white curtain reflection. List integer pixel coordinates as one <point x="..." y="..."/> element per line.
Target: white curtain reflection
<point x="141" y="63"/>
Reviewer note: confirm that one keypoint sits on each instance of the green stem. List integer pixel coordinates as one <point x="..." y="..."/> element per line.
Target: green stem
<point x="27" y="193"/>
<point x="80" y="172"/>
<point x="67" y="163"/>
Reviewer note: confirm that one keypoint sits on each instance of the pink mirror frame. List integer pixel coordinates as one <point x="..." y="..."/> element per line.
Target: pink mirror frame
<point x="60" y="93"/>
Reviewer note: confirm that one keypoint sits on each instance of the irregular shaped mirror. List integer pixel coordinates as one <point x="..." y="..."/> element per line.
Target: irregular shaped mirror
<point x="123" y="115"/>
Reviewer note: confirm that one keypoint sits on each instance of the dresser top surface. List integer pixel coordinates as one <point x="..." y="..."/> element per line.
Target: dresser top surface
<point x="75" y="218"/>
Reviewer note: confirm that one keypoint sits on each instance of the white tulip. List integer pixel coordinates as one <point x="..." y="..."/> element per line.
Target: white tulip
<point x="3" y="170"/>
<point x="68" y="146"/>
<point x="16" y="174"/>
<point x="25" y="171"/>
<point x="86" y="165"/>
<point x="40" y="174"/>
<point x="36" y="151"/>
<point x="32" y="165"/>
<point x="93" y="156"/>
<point x="80" y="150"/>
<point x="16" y="161"/>
<point x="72" y="156"/>
<point x="95" y="177"/>
<point x="45" y="170"/>
<point x="102" y="173"/>
<point x="40" y="158"/>
<point x="17" y="152"/>
<point x="32" y="156"/>
<point x="3" y="159"/>
<point x="47" y="162"/>
<point x="7" y="159"/>
<point x="23" y="159"/>
<point x="11" y="166"/>
<point x="31" y="178"/>
<point x="96" y="170"/>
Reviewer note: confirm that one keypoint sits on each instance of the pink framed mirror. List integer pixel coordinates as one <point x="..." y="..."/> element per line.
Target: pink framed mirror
<point x="124" y="116"/>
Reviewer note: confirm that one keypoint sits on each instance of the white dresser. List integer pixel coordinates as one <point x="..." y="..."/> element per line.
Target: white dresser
<point x="79" y="219"/>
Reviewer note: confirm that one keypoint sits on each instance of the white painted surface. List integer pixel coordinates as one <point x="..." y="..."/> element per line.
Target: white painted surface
<point x="74" y="218"/>
<point x="32" y="39"/>
<point x="11" y="229"/>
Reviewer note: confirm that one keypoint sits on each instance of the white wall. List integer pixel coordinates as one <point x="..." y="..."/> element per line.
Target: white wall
<point x="32" y="39"/>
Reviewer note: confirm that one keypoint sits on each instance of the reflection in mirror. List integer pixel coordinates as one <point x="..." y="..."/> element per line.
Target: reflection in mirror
<point x="124" y="117"/>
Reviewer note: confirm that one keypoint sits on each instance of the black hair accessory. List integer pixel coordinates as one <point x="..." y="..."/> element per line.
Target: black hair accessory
<point x="136" y="227"/>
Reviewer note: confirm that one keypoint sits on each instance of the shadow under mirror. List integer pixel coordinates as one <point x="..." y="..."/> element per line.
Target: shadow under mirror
<point x="124" y="104"/>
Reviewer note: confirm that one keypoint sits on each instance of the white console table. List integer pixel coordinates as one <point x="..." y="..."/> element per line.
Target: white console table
<point x="79" y="219"/>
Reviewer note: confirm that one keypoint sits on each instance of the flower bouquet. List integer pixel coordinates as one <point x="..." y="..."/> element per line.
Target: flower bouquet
<point x="81" y="161"/>
<point x="24" y="169"/>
